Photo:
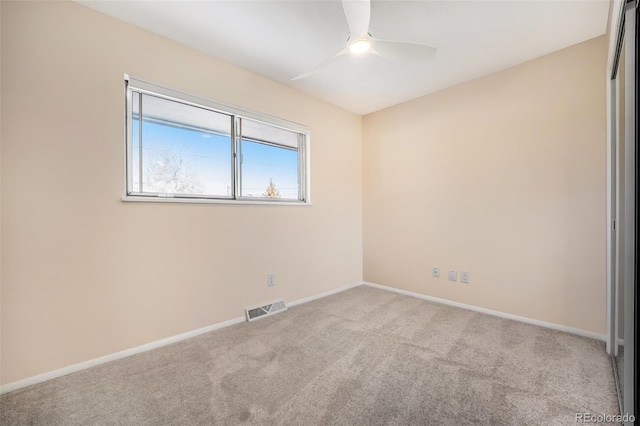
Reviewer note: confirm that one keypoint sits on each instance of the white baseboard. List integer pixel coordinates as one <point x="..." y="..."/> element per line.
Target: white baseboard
<point x="539" y="323"/>
<point x="325" y="294"/>
<point x="10" y="387"/>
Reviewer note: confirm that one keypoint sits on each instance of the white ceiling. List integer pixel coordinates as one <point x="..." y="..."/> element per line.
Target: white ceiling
<point x="283" y="39"/>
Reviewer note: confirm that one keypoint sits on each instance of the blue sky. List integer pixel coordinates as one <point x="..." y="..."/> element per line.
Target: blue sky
<point x="206" y="158"/>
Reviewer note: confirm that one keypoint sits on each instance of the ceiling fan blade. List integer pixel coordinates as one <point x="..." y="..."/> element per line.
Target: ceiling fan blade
<point x="400" y="50"/>
<point x="322" y="65"/>
<point x="358" y="13"/>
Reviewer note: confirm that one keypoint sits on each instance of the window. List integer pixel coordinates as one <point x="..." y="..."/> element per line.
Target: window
<point x="184" y="148"/>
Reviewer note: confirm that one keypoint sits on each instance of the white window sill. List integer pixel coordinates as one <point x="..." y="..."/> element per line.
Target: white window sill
<point x="143" y="199"/>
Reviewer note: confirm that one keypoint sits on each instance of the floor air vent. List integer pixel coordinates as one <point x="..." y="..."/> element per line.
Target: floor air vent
<point x="262" y="311"/>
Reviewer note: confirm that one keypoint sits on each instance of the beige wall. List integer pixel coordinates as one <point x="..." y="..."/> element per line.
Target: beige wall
<point x="84" y="274"/>
<point x="504" y="177"/>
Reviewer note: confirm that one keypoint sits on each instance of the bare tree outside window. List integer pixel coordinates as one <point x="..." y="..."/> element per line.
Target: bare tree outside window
<point x="272" y="192"/>
<point x="170" y="173"/>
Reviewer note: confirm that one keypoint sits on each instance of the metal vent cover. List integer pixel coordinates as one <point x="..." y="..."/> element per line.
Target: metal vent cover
<point x="262" y="311"/>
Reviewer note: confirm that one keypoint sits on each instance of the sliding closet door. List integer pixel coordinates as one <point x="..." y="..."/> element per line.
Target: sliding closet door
<point x="633" y="317"/>
<point x="630" y="210"/>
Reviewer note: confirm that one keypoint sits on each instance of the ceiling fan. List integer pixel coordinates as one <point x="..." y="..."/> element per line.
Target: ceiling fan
<point x="360" y="41"/>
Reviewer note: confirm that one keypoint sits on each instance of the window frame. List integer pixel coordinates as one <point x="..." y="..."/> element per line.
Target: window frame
<point x="237" y="114"/>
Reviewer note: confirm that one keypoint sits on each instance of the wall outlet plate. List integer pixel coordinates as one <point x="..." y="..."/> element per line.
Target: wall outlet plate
<point x="464" y="277"/>
<point x="271" y="280"/>
<point x="436" y="272"/>
<point x="453" y="275"/>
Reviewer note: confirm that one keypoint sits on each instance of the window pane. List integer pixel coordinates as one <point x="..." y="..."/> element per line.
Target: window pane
<point x="256" y="130"/>
<point x="269" y="171"/>
<point x="135" y="143"/>
<point x="185" y="149"/>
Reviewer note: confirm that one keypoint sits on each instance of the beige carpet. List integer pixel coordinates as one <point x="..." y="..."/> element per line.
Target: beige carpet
<point x="361" y="357"/>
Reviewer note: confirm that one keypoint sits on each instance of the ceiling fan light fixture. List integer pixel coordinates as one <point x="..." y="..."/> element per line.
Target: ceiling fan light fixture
<point x="360" y="46"/>
<point x="358" y="14"/>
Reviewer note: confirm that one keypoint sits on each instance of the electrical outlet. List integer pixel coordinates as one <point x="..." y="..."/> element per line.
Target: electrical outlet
<point x="453" y="275"/>
<point x="464" y="277"/>
<point x="436" y="272"/>
<point x="271" y="280"/>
